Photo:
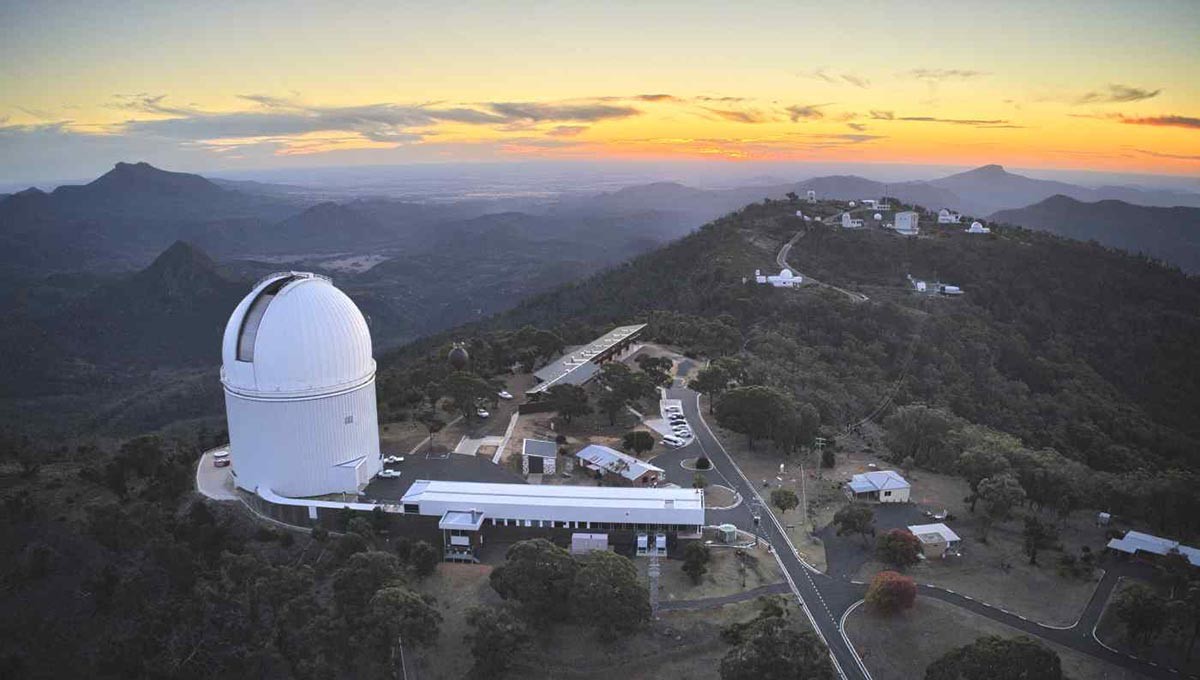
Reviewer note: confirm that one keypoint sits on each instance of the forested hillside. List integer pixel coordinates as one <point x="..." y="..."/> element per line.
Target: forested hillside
<point x="1065" y="345"/>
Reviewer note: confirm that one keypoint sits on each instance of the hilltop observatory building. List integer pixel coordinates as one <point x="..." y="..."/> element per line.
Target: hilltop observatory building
<point x="299" y="384"/>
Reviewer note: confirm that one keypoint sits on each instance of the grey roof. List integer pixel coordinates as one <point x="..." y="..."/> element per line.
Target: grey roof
<point x="616" y="462"/>
<point x="539" y="448"/>
<point x="576" y="367"/>
<point x="1136" y="541"/>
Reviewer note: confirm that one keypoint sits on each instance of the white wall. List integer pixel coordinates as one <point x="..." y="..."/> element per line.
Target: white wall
<point x="294" y="446"/>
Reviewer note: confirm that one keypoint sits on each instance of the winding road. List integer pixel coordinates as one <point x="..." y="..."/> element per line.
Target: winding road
<point x="827" y="600"/>
<point x="781" y="260"/>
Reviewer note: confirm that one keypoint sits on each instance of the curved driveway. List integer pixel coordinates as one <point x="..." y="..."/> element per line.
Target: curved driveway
<point x="826" y="599"/>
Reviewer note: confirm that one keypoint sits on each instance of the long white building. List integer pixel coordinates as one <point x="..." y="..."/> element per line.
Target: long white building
<point x="299" y="384"/>
<point x="565" y="507"/>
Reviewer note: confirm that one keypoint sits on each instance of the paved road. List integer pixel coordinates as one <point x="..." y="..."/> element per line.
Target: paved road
<point x="827" y="598"/>
<point x="821" y="616"/>
<point x="781" y="260"/>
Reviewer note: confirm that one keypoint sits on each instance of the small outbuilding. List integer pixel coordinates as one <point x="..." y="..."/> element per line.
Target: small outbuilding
<point x="612" y="463"/>
<point x="884" y="486"/>
<point x="538" y="457"/>
<point x="936" y="539"/>
<point x="849" y="222"/>
<point x="978" y="228"/>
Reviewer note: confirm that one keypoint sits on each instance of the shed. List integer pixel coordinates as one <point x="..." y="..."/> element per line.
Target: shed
<point x="936" y="539"/>
<point x="1135" y="542"/>
<point x="538" y="456"/>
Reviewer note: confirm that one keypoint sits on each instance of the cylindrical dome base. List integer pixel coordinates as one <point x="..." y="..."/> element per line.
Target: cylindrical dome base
<point x="304" y="447"/>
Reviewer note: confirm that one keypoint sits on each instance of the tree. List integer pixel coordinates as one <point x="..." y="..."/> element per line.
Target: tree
<point x="977" y="465"/>
<point x="398" y="613"/>
<point x="423" y="559"/>
<point x="638" y="441"/>
<point x="1000" y="494"/>
<point x="855" y="518"/>
<point x="753" y="411"/>
<point x="497" y="640"/>
<point x="699" y="481"/>
<point x="784" y="499"/>
<point x="695" y="560"/>
<point x="921" y="433"/>
<point x="898" y="547"/>
<point x="538" y="575"/>
<point x="1176" y="570"/>
<point x="465" y="390"/>
<point x="608" y="595"/>
<point x="703" y="463"/>
<point x="569" y="400"/>
<point x="1143" y="612"/>
<point x="890" y="592"/>
<point x="656" y="369"/>
<point x="622" y="387"/>
<point x="997" y="658"/>
<point x="828" y="458"/>
<point x="711" y="382"/>
<point x="1185" y="610"/>
<point x="433" y="424"/>
<point x="772" y="650"/>
<point x="1038" y="536"/>
<point x="364" y="573"/>
<point x="611" y="403"/>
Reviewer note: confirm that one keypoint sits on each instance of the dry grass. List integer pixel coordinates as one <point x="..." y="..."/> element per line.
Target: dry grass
<point x="901" y="647"/>
<point x="723" y="576"/>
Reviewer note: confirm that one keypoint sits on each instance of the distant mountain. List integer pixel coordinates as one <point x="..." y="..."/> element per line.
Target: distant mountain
<point x="323" y="227"/>
<point x="989" y="188"/>
<point x="124" y="217"/>
<point x="1168" y="234"/>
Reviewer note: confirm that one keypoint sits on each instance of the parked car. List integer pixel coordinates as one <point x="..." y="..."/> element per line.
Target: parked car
<point x="504" y="394"/>
<point x="391" y="460"/>
<point x="673" y="442"/>
<point x="221" y="459"/>
<point x="482" y="413"/>
<point x="389" y="473"/>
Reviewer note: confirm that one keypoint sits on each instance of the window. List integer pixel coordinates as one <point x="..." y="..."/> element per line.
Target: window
<point x="887" y="493"/>
<point x="412" y="509"/>
<point x="349" y="419"/>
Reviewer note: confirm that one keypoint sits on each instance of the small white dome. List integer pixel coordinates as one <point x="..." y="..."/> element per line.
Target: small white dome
<point x="878" y="217"/>
<point x="852" y="204"/>
<point x="785" y="273"/>
<point x="294" y="335"/>
<point x="976" y="225"/>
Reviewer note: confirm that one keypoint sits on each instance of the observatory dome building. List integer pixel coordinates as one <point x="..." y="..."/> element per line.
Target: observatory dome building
<point x="299" y="384"/>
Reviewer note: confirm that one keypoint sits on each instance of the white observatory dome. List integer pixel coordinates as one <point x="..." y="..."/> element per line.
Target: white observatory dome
<point x="294" y="334"/>
<point x="300" y="389"/>
<point x="878" y="217"/>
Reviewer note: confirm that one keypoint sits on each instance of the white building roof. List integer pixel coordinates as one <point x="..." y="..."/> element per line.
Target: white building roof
<point x="611" y="460"/>
<point x="934" y="533"/>
<point x="877" y="480"/>
<point x="295" y="335"/>
<point x="633" y="505"/>
<point x="576" y="367"/>
<point x="1136" y="541"/>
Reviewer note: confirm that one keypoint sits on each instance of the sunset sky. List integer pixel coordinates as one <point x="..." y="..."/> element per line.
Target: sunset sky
<point x="1111" y="86"/>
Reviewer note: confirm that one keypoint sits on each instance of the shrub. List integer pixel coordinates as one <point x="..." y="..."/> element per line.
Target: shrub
<point x="703" y="463"/>
<point x="695" y="560"/>
<point x="898" y="547"/>
<point x="891" y="592"/>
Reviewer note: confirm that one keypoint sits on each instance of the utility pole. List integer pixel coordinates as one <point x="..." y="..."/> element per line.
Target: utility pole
<point x="756" y="513"/>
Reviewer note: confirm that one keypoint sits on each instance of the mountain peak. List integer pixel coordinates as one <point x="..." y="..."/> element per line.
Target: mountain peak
<point x="143" y="176"/>
<point x="993" y="169"/>
<point x="180" y="268"/>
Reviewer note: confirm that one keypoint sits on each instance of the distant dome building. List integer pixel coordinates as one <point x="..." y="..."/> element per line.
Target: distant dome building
<point x="877" y="217"/>
<point x="299" y="384"/>
<point x="458" y="357"/>
<point x="977" y="228"/>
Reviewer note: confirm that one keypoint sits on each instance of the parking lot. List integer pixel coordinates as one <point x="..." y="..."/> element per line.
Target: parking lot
<point x="439" y="466"/>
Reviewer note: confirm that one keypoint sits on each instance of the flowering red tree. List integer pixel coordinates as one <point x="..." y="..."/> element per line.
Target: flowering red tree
<point x="890" y="592"/>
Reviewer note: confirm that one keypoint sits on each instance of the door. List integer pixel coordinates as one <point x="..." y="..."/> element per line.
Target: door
<point x="536" y="465"/>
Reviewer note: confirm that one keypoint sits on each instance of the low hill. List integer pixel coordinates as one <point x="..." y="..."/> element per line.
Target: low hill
<point x="1168" y="234"/>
